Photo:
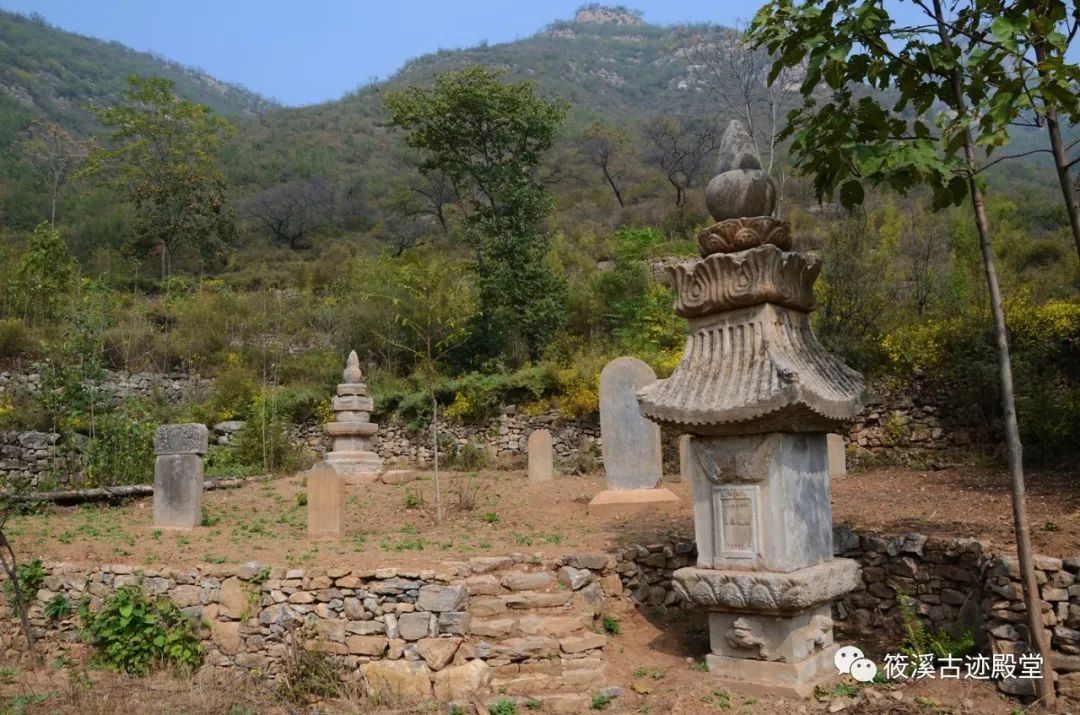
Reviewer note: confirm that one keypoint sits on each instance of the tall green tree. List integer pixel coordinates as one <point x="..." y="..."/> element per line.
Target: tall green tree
<point x="487" y="136"/>
<point x="46" y="274"/>
<point x="163" y="152"/>
<point x="934" y="110"/>
<point x="433" y="304"/>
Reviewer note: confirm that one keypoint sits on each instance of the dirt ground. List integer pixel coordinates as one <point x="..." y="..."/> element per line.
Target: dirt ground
<point x="654" y="657"/>
<point x="499" y="512"/>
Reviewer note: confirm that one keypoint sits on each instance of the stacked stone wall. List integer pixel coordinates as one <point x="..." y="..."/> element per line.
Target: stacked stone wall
<point x="523" y="626"/>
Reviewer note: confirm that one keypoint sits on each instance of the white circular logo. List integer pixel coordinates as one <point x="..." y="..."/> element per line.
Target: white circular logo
<point x="845" y="657"/>
<point x="863" y="670"/>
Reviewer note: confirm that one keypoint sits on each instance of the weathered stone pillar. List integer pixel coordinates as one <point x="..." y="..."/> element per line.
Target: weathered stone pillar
<point x="178" y="475"/>
<point x="757" y="394"/>
<point x="351" y="430"/>
<point x="326" y="501"/>
<point x="541" y="459"/>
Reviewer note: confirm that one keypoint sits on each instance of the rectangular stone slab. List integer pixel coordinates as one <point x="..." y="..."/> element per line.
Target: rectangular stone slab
<point x="774" y="679"/>
<point x="326" y="501"/>
<point x="178" y="491"/>
<point x="540" y="456"/>
<point x="631" y="501"/>
<point x="837" y="456"/>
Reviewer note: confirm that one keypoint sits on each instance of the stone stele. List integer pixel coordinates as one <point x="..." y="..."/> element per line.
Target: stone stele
<point x="541" y="465"/>
<point x="837" y="456"/>
<point x="178" y="475"/>
<point x="351" y="431"/>
<point x="757" y="394"/>
<point x="326" y="501"/>
<point x="631" y="444"/>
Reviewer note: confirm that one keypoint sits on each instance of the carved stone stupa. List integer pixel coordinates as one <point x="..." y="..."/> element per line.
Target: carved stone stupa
<point x="351" y="432"/>
<point x="757" y="394"/>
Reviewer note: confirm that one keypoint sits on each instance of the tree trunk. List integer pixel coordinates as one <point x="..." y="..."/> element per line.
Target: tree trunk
<point x="611" y="182"/>
<point x="1044" y="686"/>
<point x="435" y="449"/>
<point x="1061" y="162"/>
<point x="12" y="570"/>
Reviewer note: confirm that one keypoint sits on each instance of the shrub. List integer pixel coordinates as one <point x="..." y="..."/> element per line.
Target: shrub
<point x="121" y="450"/>
<point x="135" y="635"/>
<point x="31" y="575"/>
<point x="264" y="440"/>
<point x="467" y="456"/>
<point x="58" y="608"/>
<point x="919" y="640"/>
<point x="16" y="339"/>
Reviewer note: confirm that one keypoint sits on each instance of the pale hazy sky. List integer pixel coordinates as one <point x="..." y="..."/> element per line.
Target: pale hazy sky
<point x="316" y="50"/>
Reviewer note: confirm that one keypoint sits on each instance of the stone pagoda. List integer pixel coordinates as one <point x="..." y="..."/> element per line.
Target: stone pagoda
<point x="757" y="393"/>
<point x="351" y="454"/>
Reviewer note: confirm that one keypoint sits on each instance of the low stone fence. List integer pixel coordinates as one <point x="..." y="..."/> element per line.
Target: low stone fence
<point x="117" y="385"/>
<point x="515" y="625"/>
<point x="523" y="625"/>
<point x="29" y="455"/>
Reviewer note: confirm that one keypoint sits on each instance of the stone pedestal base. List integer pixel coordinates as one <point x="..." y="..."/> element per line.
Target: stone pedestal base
<point x="357" y="467"/>
<point x="178" y="491"/>
<point x="770" y="633"/>
<point x="631" y="501"/>
<point x="774" y="678"/>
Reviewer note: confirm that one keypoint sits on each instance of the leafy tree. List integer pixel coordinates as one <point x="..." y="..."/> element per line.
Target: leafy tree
<point x="53" y="155"/>
<point x="486" y="137"/>
<point x="433" y="306"/>
<point x="939" y="111"/>
<point x="46" y="274"/>
<point x="1020" y="49"/>
<point x="163" y="153"/>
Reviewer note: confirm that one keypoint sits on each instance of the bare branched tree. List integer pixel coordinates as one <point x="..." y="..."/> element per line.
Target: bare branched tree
<point x="53" y="155"/>
<point x="606" y="147"/>
<point x="293" y="210"/>
<point x="680" y="148"/>
<point x="737" y="75"/>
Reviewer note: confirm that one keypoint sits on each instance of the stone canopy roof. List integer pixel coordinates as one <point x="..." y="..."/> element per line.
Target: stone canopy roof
<point x="752" y="363"/>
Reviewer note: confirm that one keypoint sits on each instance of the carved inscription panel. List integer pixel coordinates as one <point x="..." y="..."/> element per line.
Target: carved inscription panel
<point x="735" y="519"/>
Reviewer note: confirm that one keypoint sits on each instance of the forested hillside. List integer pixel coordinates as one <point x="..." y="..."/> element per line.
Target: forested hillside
<point x="331" y="227"/>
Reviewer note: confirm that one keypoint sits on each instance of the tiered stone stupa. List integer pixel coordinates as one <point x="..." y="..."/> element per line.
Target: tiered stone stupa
<point x="757" y="394"/>
<point x="351" y="454"/>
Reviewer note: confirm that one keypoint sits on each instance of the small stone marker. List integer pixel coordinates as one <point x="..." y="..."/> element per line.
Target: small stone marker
<point x="178" y="475"/>
<point x="837" y="456"/>
<point x="685" y="455"/>
<point x="326" y="500"/>
<point x="540" y="457"/>
<point x="633" y="460"/>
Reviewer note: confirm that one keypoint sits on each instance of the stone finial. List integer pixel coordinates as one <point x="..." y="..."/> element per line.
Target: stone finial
<point x="189" y="438"/>
<point x="351" y="374"/>
<point x="737" y="149"/>
<point x="741" y="189"/>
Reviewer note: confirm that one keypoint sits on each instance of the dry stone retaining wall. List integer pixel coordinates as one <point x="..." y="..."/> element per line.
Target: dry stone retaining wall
<point x="116" y="385"/>
<point x="528" y="626"/>
<point x="960" y="584"/>
<point x="513" y="625"/>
